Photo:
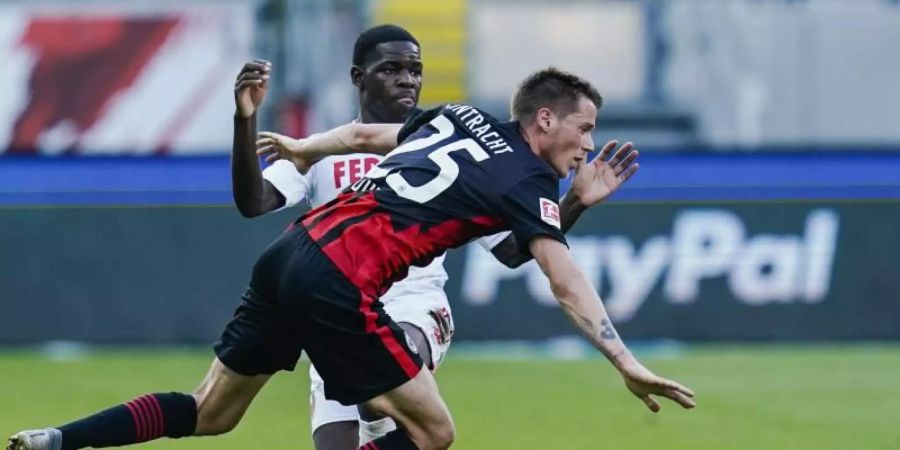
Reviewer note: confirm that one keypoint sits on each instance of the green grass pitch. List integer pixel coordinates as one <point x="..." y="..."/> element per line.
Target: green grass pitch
<point x="758" y="397"/>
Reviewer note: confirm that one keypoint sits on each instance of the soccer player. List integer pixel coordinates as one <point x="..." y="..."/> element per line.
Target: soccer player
<point x="387" y="71"/>
<point x="459" y="174"/>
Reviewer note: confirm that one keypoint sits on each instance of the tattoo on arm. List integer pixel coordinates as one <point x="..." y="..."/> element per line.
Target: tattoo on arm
<point x="607" y="332"/>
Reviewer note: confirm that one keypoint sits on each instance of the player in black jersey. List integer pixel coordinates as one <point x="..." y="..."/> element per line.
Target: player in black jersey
<point x="457" y="174"/>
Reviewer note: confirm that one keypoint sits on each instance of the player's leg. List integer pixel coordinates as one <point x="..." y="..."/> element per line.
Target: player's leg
<point x="334" y="426"/>
<point x="380" y="369"/>
<point x="373" y="425"/>
<point x="423" y="418"/>
<point x="214" y="408"/>
<point x="223" y="397"/>
<point x="342" y="435"/>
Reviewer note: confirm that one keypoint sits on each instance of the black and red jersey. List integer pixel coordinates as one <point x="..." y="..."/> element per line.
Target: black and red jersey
<point x="458" y="174"/>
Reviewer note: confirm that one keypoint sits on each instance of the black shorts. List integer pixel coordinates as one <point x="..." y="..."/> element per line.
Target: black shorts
<point x="299" y="301"/>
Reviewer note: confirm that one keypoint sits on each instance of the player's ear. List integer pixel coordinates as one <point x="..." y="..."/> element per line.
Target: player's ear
<point x="545" y="118"/>
<point x="356" y="75"/>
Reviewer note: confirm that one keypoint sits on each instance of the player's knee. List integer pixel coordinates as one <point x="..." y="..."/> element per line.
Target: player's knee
<point x="444" y="437"/>
<point x="212" y="423"/>
<point x="441" y="435"/>
<point x="418" y="338"/>
<point x="212" y="420"/>
<point x="336" y="436"/>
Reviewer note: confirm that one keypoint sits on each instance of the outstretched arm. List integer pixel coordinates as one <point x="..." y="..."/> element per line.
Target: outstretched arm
<point x="593" y="183"/>
<point x="581" y="303"/>
<point x="351" y="138"/>
<point x="253" y="195"/>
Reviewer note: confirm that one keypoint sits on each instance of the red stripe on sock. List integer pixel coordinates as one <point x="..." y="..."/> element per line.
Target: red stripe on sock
<point x="141" y="424"/>
<point x="137" y="420"/>
<point x="148" y="418"/>
<point x="156" y="415"/>
<point x="145" y="419"/>
<point x="374" y="447"/>
<point x="152" y="428"/>
<point x="160" y="419"/>
<point x="152" y="419"/>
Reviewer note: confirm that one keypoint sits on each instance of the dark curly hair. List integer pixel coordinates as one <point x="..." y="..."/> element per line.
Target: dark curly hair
<point x="368" y="39"/>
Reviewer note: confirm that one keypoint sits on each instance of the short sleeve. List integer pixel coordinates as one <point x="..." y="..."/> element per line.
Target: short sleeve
<point x="415" y="120"/>
<point x="489" y="242"/>
<point x="285" y="177"/>
<point x="530" y="209"/>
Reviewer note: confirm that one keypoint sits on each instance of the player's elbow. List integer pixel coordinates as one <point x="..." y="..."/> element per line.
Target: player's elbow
<point x="248" y="208"/>
<point x="249" y="214"/>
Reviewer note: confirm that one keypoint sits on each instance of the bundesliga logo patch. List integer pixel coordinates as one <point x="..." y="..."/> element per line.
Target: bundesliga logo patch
<point x="550" y="212"/>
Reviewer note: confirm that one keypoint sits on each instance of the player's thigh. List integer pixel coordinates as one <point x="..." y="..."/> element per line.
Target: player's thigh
<point x="422" y="347"/>
<point x="223" y="396"/>
<point x="418" y="408"/>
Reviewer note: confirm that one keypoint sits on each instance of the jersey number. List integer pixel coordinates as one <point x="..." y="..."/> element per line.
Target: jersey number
<point x="441" y="156"/>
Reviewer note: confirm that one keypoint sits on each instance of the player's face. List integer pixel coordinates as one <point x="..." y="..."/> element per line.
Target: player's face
<point x="571" y="137"/>
<point x="390" y="82"/>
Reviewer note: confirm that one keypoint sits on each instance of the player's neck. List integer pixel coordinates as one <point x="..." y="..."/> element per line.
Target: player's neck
<point x="530" y="136"/>
<point x="369" y="116"/>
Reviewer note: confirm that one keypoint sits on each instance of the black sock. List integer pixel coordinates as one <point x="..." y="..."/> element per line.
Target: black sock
<point x="395" y="440"/>
<point x="143" y="419"/>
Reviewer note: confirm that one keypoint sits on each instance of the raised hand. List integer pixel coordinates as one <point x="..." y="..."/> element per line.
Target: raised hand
<point x="598" y="179"/>
<point x="643" y="383"/>
<point x="251" y="86"/>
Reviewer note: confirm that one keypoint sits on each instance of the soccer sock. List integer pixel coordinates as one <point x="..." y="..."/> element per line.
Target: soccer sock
<point x="143" y="419"/>
<point x="395" y="440"/>
<point x="369" y="431"/>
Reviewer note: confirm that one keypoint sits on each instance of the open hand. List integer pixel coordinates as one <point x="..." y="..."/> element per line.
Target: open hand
<point x="598" y="179"/>
<point x="275" y="146"/>
<point x="643" y="383"/>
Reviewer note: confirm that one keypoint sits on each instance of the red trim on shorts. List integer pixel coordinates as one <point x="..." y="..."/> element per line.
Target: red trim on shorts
<point x="387" y="337"/>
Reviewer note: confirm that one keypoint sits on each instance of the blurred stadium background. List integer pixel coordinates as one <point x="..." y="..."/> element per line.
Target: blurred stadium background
<point x="753" y="257"/>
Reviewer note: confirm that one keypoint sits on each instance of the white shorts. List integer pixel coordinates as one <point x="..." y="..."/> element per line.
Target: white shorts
<point x="430" y="312"/>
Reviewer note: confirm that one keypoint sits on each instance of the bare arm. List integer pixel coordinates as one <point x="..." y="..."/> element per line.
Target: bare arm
<point x="593" y="183"/>
<point x="581" y="303"/>
<point x="253" y="195"/>
<point x="377" y="138"/>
